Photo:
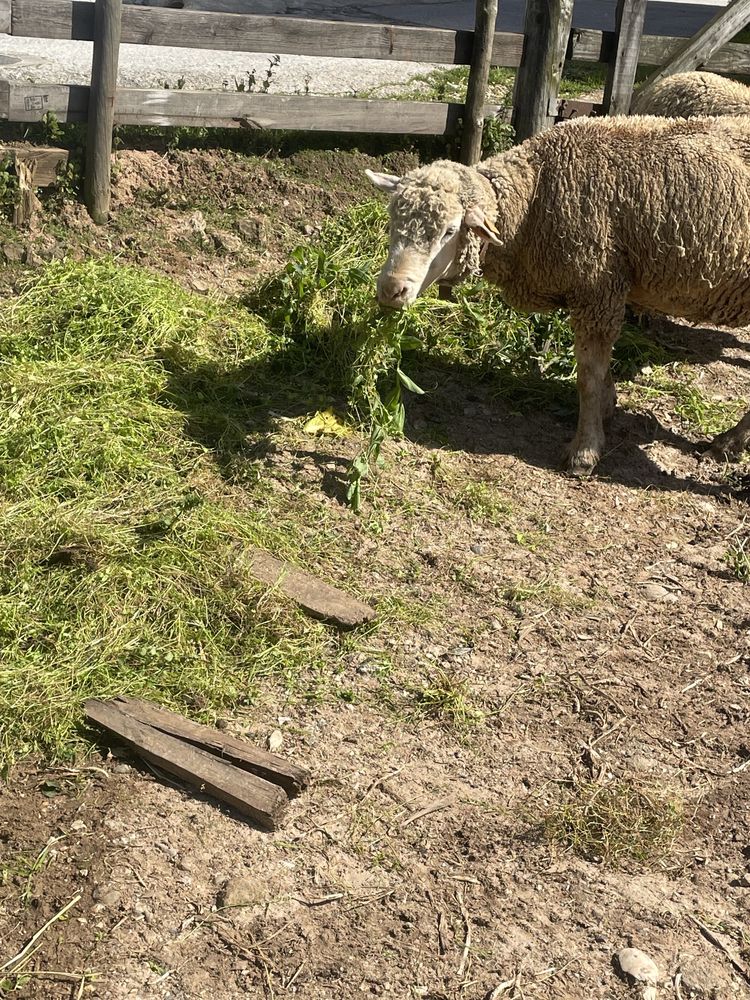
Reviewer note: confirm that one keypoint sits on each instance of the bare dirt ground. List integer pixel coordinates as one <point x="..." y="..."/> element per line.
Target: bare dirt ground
<point x="595" y="623"/>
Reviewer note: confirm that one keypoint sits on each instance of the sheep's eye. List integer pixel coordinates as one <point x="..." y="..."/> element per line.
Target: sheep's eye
<point x="449" y="232"/>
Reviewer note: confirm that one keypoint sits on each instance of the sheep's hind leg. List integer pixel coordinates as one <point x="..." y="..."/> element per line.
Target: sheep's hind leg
<point x="733" y="442"/>
<point x="596" y="390"/>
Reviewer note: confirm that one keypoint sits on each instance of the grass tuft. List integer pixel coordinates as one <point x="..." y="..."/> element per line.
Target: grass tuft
<point x="616" y="822"/>
<point x="737" y="558"/>
<point x="445" y="696"/>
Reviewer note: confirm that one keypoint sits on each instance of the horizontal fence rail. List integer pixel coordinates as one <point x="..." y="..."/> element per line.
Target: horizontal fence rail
<point x="286" y="35"/>
<point x="74" y="19"/>
<point x="599" y="46"/>
<point x="21" y="102"/>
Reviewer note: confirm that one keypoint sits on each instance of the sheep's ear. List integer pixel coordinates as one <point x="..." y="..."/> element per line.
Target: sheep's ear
<point x="476" y="220"/>
<point x="386" y="182"/>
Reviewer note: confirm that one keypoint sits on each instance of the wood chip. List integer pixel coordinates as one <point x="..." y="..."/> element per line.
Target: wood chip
<point x="317" y="598"/>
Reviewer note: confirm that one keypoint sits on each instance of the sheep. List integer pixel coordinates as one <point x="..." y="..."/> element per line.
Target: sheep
<point x="589" y="216"/>
<point x="688" y="95"/>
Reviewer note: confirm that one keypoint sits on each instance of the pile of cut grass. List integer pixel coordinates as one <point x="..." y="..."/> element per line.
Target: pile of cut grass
<point x="115" y="526"/>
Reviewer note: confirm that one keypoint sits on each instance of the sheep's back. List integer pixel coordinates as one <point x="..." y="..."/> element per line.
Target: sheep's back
<point x="665" y="202"/>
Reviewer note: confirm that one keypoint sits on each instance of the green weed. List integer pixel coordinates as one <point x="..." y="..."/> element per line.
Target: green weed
<point x="737" y="558"/>
<point x="483" y="503"/>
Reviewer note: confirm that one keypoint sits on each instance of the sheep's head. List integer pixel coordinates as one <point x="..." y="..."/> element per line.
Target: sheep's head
<point x="441" y="216"/>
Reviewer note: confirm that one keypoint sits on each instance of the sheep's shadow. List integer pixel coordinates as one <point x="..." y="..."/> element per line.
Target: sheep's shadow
<point x="234" y="411"/>
<point x="534" y="419"/>
<point x="698" y="345"/>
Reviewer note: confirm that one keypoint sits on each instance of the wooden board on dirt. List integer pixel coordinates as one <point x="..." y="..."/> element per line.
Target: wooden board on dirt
<point x="260" y="800"/>
<point x="317" y="598"/>
<point x="239" y="753"/>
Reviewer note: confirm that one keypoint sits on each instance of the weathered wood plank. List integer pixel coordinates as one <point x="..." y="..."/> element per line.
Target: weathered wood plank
<point x="43" y="161"/>
<point x="260" y="33"/>
<point x="262" y="801"/>
<point x="28" y="103"/>
<point x="101" y="108"/>
<point x="599" y="46"/>
<point x="476" y="91"/>
<point x="618" y="87"/>
<point x="546" y="32"/>
<point x="5" y="16"/>
<point x="317" y="598"/>
<point x="695" y="51"/>
<point x="268" y="766"/>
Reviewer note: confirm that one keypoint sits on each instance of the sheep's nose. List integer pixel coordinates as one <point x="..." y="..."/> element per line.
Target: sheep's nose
<point x="392" y="290"/>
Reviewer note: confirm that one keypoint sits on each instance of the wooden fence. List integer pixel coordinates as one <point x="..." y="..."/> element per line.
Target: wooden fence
<point x="538" y="55"/>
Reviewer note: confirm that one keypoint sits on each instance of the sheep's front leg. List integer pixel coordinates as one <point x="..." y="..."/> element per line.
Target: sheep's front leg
<point x="596" y="391"/>
<point x="733" y="442"/>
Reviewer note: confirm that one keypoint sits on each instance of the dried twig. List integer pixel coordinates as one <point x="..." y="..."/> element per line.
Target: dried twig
<point x="321" y="901"/>
<point x="292" y="980"/>
<point x="715" y="940"/>
<point x="25" y="952"/>
<point x="467" y="939"/>
<point x="435" y="807"/>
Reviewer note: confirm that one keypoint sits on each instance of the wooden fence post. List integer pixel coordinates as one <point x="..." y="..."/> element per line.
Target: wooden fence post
<point x="476" y="92"/>
<point x="695" y="51"/>
<point x="101" y="110"/>
<point x="546" y="30"/>
<point x="618" y="89"/>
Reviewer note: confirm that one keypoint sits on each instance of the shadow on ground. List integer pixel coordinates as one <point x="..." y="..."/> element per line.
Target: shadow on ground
<point x="235" y="412"/>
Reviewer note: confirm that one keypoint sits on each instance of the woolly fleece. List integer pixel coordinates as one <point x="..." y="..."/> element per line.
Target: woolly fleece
<point x="688" y="95"/>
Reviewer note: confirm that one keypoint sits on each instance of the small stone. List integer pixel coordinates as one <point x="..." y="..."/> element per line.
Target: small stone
<point x="637" y="964"/>
<point x="244" y="890"/>
<point x="275" y="740"/>
<point x="122" y="768"/>
<point x="655" y="592"/>
<point x="308" y="230"/>
<point x="197" y="223"/>
<point x="222" y="724"/>
<point x="107" y="896"/>
<point x="77" y="826"/>
<point x="167" y="849"/>
<point x="13" y="253"/>
<point x="478" y="548"/>
<point x="252" y="228"/>
<point x="226" y="242"/>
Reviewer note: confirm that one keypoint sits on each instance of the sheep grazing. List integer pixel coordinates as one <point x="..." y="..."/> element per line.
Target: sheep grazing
<point x="689" y="95"/>
<point x="589" y="216"/>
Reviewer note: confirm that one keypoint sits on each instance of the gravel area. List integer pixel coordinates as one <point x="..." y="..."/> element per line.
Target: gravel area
<point x="40" y="60"/>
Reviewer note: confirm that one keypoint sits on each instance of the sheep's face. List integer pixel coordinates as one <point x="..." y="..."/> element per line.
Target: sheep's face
<point x="428" y="224"/>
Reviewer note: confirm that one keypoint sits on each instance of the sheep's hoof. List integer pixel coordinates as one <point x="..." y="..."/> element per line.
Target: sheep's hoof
<point x="582" y="462"/>
<point x="726" y="447"/>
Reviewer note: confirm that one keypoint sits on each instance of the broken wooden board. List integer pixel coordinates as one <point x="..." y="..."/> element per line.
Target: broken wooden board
<point x="35" y="166"/>
<point x="317" y="598"/>
<point x="254" y="797"/>
<point x="240" y="754"/>
<point x="44" y="162"/>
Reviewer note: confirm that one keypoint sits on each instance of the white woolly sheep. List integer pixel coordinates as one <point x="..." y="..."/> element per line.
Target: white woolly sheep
<point x="690" y="95"/>
<point x="589" y="216"/>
